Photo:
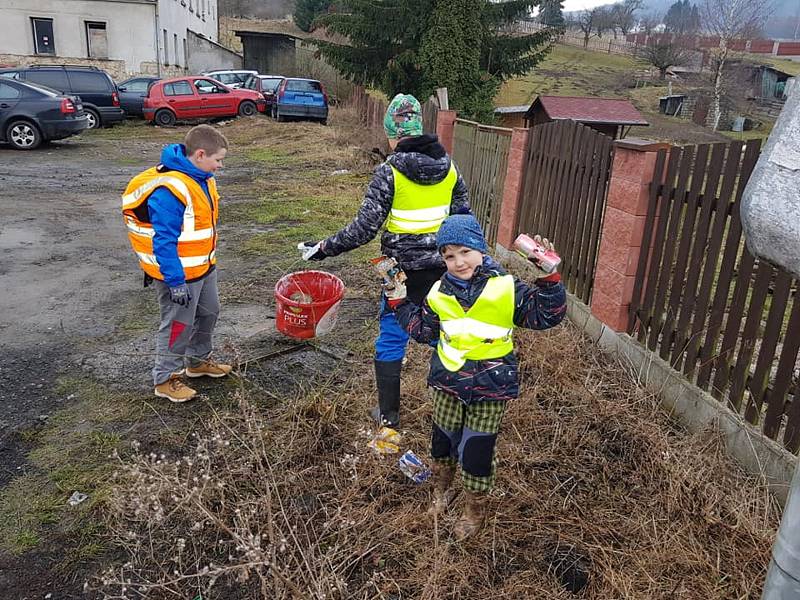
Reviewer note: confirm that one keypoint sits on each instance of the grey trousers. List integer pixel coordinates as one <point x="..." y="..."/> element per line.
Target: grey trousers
<point x="185" y="331"/>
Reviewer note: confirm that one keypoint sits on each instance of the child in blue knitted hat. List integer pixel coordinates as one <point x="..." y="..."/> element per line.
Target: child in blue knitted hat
<point x="472" y="312"/>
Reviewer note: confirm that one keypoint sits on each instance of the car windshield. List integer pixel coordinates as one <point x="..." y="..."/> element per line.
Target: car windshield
<point x="270" y="84"/>
<point x="303" y="85"/>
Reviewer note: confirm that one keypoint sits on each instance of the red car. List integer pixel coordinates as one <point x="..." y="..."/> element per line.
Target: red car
<point x="198" y="98"/>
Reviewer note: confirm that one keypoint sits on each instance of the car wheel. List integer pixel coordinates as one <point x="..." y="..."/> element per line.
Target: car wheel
<point x="23" y="135"/>
<point x="165" y="118"/>
<point x="93" y="117"/>
<point x="247" y="109"/>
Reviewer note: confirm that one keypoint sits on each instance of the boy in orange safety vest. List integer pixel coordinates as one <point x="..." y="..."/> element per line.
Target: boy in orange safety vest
<point x="171" y="213"/>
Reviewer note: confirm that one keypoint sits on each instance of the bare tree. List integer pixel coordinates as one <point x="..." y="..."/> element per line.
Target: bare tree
<point x="624" y="14"/>
<point x="586" y="21"/>
<point x="604" y="20"/>
<point x="730" y="20"/>
<point x="663" y="53"/>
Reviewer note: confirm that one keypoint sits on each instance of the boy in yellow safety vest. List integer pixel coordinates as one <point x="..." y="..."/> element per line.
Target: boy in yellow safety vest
<point x="472" y="311"/>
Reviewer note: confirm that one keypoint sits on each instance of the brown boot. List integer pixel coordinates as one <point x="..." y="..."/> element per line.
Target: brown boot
<point x="471" y="520"/>
<point x="443" y="494"/>
<point x="174" y="390"/>
<point x="208" y="368"/>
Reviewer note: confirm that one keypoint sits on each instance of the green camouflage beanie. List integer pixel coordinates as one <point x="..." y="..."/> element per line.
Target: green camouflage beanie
<point x="403" y="117"/>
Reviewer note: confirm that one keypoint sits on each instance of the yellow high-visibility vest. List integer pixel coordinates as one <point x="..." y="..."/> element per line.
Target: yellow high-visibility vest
<point x="482" y="332"/>
<point x="198" y="239"/>
<point x="418" y="208"/>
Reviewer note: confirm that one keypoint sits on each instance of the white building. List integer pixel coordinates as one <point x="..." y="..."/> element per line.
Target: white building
<point x="124" y="37"/>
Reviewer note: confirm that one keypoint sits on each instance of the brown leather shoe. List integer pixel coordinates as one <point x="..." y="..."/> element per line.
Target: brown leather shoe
<point x="443" y="494"/>
<point x="209" y="368"/>
<point x="174" y="390"/>
<point x="471" y="520"/>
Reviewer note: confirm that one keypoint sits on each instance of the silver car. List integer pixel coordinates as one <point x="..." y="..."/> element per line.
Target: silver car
<point x="232" y="78"/>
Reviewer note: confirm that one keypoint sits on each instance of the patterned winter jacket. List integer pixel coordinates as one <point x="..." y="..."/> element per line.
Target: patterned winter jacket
<point x="423" y="160"/>
<point x="540" y="306"/>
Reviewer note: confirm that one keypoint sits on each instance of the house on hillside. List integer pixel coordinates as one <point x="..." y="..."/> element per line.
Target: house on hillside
<point x="610" y="116"/>
<point x="158" y="37"/>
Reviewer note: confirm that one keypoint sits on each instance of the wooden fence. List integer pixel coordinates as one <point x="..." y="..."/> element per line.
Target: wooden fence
<point x="481" y="155"/>
<point x="372" y="109"/>
<point x="566" y="181"/>
<point x="730" y="322"/>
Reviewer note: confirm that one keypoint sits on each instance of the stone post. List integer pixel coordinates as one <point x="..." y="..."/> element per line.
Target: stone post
<point x="632" y="172"/>
<point x="513" y="188"/>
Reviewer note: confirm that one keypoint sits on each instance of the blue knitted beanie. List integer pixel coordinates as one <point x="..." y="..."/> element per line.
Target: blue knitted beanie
<point x="461" y="230"/>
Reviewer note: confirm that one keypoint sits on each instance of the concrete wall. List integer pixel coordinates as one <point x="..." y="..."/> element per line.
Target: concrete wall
<point x="130" y="31"/>
<point x="205" y="55"/>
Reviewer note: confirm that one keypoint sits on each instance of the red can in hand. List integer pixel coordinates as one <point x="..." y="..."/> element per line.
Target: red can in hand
<point x="529" y="248"/>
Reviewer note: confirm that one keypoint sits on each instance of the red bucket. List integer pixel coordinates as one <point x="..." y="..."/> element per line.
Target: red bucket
<point x="307" y="303"/>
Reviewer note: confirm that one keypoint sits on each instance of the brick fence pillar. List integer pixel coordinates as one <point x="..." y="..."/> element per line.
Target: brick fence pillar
<point x="512" y="190"/>
<point x="632" y="172"/>
<point x="445" y="128"/>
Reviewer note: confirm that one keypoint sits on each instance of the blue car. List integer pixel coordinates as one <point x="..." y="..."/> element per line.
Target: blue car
<point x="303" y="98"/>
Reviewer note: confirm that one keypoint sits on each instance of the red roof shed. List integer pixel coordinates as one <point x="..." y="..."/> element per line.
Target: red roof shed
<point x="607" y="115"/>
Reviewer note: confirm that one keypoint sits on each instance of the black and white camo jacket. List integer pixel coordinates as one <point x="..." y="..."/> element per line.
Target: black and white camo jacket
<point x="423" y="160"/>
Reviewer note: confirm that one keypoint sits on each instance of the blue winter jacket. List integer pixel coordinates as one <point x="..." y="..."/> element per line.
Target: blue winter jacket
<point x="166" y="213"/>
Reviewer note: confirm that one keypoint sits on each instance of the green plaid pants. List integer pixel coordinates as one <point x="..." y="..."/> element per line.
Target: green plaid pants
<point x="467" y="435"/>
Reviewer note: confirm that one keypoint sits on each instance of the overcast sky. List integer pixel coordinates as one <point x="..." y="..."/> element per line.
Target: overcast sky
<point x="570" y="5"/>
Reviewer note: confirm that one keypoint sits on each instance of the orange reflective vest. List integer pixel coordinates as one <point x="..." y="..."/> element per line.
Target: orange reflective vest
<point x="198" y="239"/>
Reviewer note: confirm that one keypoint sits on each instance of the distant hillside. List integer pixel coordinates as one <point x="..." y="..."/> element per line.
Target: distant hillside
<point x="256" y="9"/>
<point x="779" y="26"/>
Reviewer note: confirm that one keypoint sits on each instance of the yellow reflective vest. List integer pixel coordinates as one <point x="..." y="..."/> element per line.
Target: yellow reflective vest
<point x="198" y="239"/>
<point x="418" y="208"/>
<point x="482" y="332"/>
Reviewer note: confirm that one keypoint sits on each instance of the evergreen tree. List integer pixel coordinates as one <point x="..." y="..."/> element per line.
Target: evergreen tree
<point x="415" y="46"/>
<point x="305" y="11"/>
<point x="682" y="17"/>
<point x="552" y="13"/>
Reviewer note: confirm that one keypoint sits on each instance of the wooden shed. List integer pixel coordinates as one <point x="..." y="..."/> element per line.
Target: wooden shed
<point x="610" y="116"/>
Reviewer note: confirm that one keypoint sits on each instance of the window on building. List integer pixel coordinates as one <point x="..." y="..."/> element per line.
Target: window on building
<point x="175" y="46"/>
<point x="43" y="42"/>
<point x="191" y="6"/>
<point x="166" y="48"/>
<point x="96" y="39"/>
<point x="185" y="54"/>
<point x="179" y="88"/>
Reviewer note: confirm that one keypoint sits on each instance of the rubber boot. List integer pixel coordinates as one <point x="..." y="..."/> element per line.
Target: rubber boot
<point x="443" y="494"/>
<point x="387" y="380"/>
<point x="471" y="520"/>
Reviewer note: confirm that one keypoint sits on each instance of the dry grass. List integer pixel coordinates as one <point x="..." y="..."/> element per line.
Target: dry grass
<point x="282" y="498"/>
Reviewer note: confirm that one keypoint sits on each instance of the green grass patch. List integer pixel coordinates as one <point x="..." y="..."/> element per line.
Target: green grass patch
<point x="72" y="452"/>
<point x="270" y="156"/>
<point x="570" y="71"/>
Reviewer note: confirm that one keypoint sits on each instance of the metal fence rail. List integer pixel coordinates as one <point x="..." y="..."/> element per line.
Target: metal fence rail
<point x="730" y="322"/>
<point x="566" y="181"/>
<point x="481" y="155"/>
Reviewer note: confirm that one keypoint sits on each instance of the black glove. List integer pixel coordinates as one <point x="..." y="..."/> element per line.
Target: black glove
<point x="180" y="294"/>
<point x="312" y="251"/>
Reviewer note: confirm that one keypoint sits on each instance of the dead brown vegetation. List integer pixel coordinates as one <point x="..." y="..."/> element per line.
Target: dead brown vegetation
<point x="283" y="499"/>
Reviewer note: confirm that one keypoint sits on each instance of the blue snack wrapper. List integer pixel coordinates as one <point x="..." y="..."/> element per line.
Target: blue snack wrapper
<point x="413" y="467"/>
